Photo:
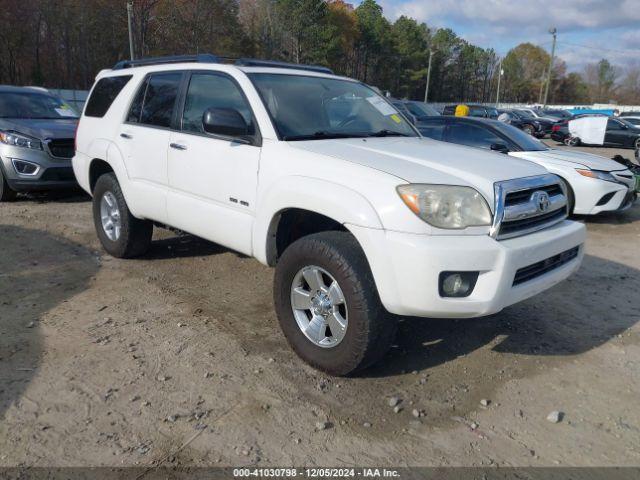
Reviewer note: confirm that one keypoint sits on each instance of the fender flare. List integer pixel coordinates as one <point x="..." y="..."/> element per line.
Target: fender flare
<point x="333" y="200"/>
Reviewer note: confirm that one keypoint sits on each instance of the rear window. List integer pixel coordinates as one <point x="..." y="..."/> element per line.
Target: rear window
<point x="103" y="95"/>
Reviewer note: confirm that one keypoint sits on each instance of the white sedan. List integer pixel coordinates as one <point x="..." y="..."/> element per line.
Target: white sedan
<point x="594" y="184"/>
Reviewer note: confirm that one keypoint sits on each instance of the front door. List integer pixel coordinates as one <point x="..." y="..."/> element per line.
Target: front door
<point x="213" y="179"/>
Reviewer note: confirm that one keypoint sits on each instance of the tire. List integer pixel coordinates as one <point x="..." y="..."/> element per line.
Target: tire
<point x="572" y="141"/>
<point x="571" y="199"/>
<point x="6" y="193"/>
<point x="636" y="144"/>
<point x="370" y="331"/>
<point x="134" y="235"/>
<point x="528" y="129"/>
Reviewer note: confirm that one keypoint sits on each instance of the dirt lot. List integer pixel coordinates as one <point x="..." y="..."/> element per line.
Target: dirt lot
<point x="110" y="362"/>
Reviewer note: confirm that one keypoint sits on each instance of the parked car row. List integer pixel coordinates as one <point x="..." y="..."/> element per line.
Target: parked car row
<point x="619" y="133"/>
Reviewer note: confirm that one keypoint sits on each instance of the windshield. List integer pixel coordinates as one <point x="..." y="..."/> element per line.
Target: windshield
<point x="626" y="122"/>
<point x="523" y="114"/>
<point x="422" y="109"/>
<point x="307" y="108"/>
<point x="523" y="140"/>
<point x="34" y="105"/>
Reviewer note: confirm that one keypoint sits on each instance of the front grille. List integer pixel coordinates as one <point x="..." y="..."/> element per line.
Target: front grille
<point x="522" y="196"/>
<point x="61" y="147"/>
<point x="526" y="274"/>
<point x="515" y="226"/>
<point x="58" y="174"/>
<point x="527" y="205"/>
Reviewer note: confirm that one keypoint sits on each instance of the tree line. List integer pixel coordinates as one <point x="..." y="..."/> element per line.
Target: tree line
<point x="65" y="43"/>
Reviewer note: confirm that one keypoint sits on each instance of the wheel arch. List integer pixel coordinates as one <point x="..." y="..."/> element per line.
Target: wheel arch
<point x="329" y="206"/>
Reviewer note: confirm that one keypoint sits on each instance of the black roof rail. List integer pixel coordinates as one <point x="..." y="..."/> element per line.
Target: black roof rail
<point x="252" y="62"/>
<point x="200" y="58"/>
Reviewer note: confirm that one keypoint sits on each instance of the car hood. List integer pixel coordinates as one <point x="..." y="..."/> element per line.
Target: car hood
<point x="422" y="160"/>
<point x="594" y="162"/>
<point x="41" y="128"/>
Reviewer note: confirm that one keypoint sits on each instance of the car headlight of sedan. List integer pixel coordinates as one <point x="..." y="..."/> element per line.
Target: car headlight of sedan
<point x="446" y="206"/>
<point x="599" y="174"/>
<point x="19" y="140"/>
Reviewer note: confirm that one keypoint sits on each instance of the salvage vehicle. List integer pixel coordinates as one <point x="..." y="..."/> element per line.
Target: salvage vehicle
<point x="619" y="133"/>
<point x="593" y="184"/>
<point x="36" y="141"/>
<point x="322" y="178"/>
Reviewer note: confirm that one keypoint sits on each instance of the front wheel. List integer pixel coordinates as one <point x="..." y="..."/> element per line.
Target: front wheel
<point x="529" y="129"/>
<point x="328" y="305"/>
<point x="6" y="193"/>
<point x="636" y="144"/>
<point x="121" y="234"/>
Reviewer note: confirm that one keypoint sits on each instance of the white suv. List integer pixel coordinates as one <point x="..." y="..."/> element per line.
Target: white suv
<point x="324" y="179"/>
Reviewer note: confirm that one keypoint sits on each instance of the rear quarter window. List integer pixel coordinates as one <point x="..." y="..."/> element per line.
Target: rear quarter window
<point x="103" y="95"/>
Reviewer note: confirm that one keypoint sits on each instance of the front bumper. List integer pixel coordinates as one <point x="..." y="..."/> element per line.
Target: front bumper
<point x="406" y="268"/>
<point x="52" y="173"/>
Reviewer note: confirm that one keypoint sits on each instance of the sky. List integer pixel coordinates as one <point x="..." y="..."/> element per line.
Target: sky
<point x="611" y="28"/>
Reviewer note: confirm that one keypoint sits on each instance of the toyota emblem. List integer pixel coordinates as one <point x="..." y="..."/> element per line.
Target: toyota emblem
<point x="541" y="200"/>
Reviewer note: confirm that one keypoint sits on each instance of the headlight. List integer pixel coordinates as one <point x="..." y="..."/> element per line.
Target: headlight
<point x="599" y="174"/>
<point x="20" y="140"/>
<point x="446" y="206"/>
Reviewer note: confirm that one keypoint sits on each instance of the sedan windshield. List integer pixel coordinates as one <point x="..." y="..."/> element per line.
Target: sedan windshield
<point x="522" y="140"/>
<point x="34" y="105"/>
<point x="310" y="108"/>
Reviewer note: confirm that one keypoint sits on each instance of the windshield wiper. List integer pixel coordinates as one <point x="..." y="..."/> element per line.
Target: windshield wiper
<point x="322" y="135"/>
<point x="388" y="133"/>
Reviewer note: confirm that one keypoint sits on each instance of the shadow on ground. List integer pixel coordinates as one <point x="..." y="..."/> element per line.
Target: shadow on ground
<point x="28" y="289"/>
<point x="595" y="305"/>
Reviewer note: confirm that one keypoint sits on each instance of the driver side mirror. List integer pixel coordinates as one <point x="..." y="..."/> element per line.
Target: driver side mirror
<point x="500" y="147"/>
<point x="224" y="121"/>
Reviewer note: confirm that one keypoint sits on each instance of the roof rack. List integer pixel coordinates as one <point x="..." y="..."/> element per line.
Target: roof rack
<point x="252" y="62"/>
<point x="200" y="58"/>
<point x="209" y="58"/>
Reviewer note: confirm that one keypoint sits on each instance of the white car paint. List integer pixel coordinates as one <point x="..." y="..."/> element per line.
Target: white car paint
<point x="352" y="181"/>
<point x="587" y="191"/>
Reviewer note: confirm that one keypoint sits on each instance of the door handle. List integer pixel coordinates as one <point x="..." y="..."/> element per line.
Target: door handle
<point x="126" y="135"/>
<point x="178" y="146"/>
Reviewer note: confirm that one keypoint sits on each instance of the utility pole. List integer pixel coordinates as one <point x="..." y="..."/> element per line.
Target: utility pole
<point x="130" y="21"/>
<point x="542" y="82"/>
<point x="500" y="72"/>
<point x="426" y="90"/>
<point x="553" y="31"/>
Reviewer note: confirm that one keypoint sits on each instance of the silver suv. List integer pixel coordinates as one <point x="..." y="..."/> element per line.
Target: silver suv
<point x="37" y="133"/>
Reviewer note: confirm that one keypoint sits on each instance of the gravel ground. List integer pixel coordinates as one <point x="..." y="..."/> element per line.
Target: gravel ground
<point x="112" y="362"/>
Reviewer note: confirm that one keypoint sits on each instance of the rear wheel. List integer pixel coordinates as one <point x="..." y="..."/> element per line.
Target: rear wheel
<point x="328" y="306"/>
<point x="6" y="193"/>
<point x="636" y="144"/>
<point x="528" y="129"/>
<point x="572" y="141"/>
<point x="121" y="234"/>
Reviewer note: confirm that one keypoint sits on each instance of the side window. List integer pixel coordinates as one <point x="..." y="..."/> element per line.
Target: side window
<point x="160" y="99"/>
<point x="613" y="125"/>
<point x="477" y="112"/>
<point x="155" y="101"/>
<point x="103" y="95"/>
<point x="136" y="107"/>
<point x="432" y="130"/>
<point x="472" y="136"/>
<point x="211" y="90"/>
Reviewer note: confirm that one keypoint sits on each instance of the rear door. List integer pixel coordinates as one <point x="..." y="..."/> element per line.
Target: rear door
<point x="616" y="134"/>
<point x="144" y="139"/>
<point x="213" y="179"/>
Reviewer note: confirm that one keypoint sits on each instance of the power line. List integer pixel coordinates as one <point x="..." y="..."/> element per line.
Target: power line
<point x="635" y="50"/>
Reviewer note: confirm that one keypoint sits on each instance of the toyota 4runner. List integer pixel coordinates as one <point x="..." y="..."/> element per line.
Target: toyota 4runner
<point x="322" y="178"/>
